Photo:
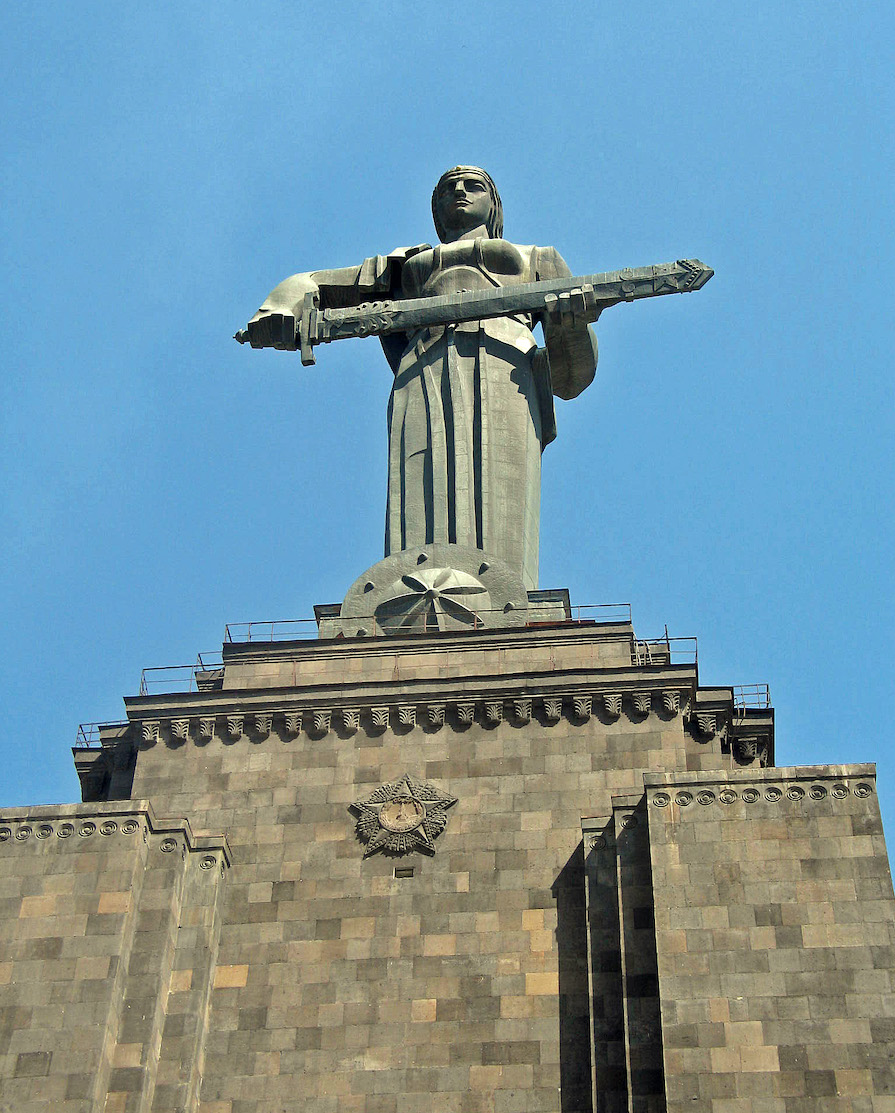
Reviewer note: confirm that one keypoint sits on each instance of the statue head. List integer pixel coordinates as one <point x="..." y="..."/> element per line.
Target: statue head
<point x="474" y="174"/>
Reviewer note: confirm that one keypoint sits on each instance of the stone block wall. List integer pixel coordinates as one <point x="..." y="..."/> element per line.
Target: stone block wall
<point x="710" y="935"/>
<point x="775" y="932"/>
<point x="108" y="947"/>
<point x="365" y="991"/>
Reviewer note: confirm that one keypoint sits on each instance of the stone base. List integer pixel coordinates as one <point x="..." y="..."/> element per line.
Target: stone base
<point x="521" y="869"/>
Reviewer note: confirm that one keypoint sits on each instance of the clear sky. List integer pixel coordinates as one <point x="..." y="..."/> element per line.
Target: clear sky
<point x="730" y="471"/>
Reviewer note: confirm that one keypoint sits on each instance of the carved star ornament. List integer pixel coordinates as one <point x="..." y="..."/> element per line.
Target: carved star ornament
<point x="401" y="817"/>
<point x="433" y="599"/>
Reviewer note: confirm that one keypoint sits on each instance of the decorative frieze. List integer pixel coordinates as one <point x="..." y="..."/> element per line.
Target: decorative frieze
<point x="671" y="701"/>
<point x="465" y="713"/>
<point x="764" y="792"/>
<point x="747" y="751"/>
<point x="643" y="702"/>
<point x="707" y="723"/>
<point x="486" y="708"/>
<point x="553" y="709"/>
<point x="612" y="703"/>
<point x="522" y="710"/>
<point x="98" y="828"/>
<point x="64" y="829"/>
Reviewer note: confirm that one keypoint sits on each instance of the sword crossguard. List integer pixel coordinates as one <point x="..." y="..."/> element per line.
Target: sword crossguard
<point x="307" y="329"/>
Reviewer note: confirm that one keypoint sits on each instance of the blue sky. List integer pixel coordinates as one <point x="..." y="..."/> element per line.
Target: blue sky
<point x="730" y="471"/>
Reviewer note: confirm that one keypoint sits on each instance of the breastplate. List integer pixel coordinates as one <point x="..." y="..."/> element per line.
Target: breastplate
<point x="466" y="265"/>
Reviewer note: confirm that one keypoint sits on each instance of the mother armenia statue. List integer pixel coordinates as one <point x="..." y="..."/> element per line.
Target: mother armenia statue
<point x="471" y="408"/>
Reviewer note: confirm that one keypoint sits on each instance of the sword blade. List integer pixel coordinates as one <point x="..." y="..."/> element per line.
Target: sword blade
<point x="408" y="315"/>
<point x="323" y="326"/>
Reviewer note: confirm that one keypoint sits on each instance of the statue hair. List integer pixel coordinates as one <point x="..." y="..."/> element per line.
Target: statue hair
<point x="494" y="223"/>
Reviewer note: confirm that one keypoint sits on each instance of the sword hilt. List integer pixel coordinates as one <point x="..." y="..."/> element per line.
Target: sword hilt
<point x="304" y="336"/>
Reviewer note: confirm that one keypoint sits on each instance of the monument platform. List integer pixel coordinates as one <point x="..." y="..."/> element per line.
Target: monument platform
<point x="534" y="868"/>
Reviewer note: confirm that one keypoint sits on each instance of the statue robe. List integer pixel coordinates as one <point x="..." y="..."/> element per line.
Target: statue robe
<point x="470" y="412"/>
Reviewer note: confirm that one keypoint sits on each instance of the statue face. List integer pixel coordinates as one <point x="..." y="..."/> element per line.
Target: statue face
<point x="463" y="203"/>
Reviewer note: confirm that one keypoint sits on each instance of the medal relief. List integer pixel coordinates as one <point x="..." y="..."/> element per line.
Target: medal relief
<point x="402" y="817"/>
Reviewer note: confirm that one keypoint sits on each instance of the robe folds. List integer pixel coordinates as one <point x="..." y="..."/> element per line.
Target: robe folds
<point x="470" y="412"/>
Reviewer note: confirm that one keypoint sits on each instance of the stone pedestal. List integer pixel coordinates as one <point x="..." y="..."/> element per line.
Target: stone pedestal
<point x="533" y="869"/>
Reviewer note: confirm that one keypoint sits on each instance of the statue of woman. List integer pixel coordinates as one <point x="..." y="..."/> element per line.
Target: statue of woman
<point x="471" y="409"/>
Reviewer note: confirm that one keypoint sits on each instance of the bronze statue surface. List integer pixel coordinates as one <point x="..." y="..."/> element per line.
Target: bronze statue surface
<point x="471" y="408"/>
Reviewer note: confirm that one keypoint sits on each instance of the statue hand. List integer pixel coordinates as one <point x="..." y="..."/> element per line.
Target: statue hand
<point x="272" y="329"/>
<point x="571" y="345"/>
<point x="274" y="325"/>
<point x="572" y="310"/>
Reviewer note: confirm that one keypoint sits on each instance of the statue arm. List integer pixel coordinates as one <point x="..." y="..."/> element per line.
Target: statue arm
<point x="273" y="326"/>
<point x="571" y="344"/>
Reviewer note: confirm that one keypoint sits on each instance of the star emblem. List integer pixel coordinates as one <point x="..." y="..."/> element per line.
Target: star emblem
<point x="401" y="817"/>
<point x="433" y="599"/>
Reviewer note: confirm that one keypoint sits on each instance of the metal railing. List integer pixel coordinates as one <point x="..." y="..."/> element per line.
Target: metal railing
<point x="297" y="629"/>
<point x="602" y="612"/>
<point x="272" y="630"/>
<point x="89" y="734"/>
<point x="204" y="675"/>
<point x="752" y="695"/>
<point x="664" y="651"/>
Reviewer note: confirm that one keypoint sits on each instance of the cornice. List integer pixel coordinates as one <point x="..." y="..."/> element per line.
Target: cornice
<point x="679" y="795"/>
<point x="452" y="703"/>
<point x="58" y="823"/>
<point x="658" y="780"/>
<point x="621" y="679"/>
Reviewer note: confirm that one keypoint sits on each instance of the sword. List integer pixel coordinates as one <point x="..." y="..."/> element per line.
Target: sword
<point x="323" y="326"/>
